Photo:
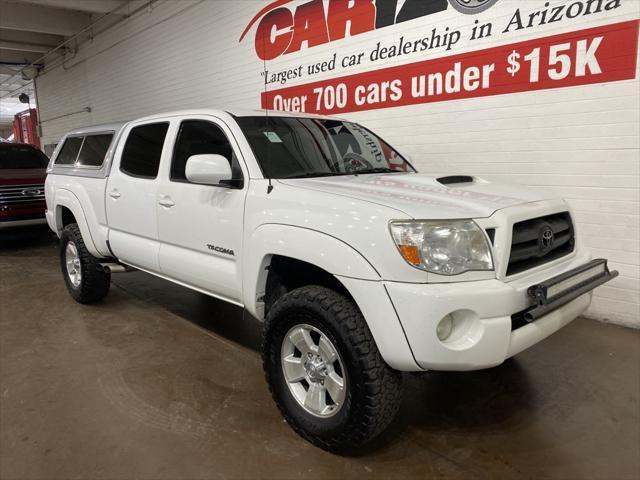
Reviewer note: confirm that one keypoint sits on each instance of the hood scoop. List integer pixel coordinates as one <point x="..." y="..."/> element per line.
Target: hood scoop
<point x="455" y="179"/>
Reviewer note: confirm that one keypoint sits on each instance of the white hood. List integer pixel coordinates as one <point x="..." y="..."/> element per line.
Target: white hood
<point x="422" y="196"/>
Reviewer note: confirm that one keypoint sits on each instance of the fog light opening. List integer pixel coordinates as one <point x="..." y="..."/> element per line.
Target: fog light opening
<point x="444" y="328"/>
<point x="459" y="329"/>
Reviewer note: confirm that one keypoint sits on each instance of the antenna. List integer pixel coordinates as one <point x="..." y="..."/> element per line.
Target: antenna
<point x="266" y="109"/>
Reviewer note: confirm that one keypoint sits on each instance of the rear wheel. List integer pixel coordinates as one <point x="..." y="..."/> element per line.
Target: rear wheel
<point x="325" y="371"/>
<point x="84" y="280"/>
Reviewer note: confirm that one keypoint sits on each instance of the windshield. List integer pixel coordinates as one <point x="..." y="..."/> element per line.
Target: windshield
<point x="289" y="147"/>
<point x="21" y="156"/>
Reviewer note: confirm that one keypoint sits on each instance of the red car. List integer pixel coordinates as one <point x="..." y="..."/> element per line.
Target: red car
<point x="23" y="169"/>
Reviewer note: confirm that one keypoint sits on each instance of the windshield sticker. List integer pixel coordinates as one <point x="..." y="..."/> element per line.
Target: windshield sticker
<point x="273" y="137"/>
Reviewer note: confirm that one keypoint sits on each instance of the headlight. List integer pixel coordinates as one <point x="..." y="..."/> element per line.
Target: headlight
<point x="446" y="247"/>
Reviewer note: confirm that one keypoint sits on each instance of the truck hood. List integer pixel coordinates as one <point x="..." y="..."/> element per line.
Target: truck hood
<point x="422" y="196"/>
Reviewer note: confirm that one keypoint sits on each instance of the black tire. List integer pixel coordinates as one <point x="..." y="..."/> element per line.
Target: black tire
<point x="373" y="389"/>
<point x="94" y="283"/>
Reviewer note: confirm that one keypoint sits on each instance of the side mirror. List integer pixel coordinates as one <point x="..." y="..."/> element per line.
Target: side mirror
<point x="208" y="169"/>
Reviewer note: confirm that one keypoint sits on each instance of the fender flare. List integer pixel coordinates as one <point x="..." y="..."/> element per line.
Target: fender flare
<point x="66" y="198"/>
<point x="317" y="248"/>
<point x="341" y="260"/>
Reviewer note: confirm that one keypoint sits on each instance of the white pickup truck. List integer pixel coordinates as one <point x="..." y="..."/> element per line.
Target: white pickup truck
<point x="360" y="267"/>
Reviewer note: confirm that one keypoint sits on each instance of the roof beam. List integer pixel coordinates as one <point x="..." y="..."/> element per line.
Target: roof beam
<point x="33" y="18"/>
<point x="31" y="37"/>
<point x="14" y="87"/>
<point x="23" y="47"/>
<point x="8" y="75"/>
<point x="91" y="6"/>
<point x="7" y="71"/>
<point x="18" y="57"/>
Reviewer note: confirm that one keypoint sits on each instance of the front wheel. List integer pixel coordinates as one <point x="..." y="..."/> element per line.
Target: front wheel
<point x="84" y="280"/>
<point x="325" y="371"/>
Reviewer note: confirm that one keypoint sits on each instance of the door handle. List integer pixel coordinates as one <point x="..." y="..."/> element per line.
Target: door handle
<point x="167" y="202"/>
<point x="114" y="194"/>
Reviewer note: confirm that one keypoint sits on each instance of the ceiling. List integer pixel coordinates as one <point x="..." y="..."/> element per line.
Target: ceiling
<point x="31" y="28"/>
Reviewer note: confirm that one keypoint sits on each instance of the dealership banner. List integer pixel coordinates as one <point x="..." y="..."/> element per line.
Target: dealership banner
<point x="595" y="55"/>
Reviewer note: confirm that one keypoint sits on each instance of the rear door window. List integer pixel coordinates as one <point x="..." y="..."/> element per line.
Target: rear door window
<point x="143" y="149"/>
<point x="94" y="150"/>
<point x="69" y="152"/>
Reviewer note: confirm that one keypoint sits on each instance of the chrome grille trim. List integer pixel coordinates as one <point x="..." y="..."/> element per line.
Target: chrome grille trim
<point x="11" y="194"/>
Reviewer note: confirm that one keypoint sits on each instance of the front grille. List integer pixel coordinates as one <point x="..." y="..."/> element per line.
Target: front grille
<point x="533" y="245"/>
<point x="18" y="194"/>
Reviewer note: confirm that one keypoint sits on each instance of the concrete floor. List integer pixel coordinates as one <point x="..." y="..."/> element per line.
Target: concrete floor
<point x="158" y="382"/>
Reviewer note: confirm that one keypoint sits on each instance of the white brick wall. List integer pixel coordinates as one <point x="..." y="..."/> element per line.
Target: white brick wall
<point x="580" y="142"/>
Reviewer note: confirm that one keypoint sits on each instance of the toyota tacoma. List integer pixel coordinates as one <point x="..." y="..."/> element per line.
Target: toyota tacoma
<point x="359" y="267"/>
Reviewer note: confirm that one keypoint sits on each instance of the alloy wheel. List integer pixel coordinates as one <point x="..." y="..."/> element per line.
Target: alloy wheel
<point x="313" y="370"/>
<point x="74" y="268"/>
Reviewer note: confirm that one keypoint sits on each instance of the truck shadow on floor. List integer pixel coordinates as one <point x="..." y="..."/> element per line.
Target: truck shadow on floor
<point x="14" y="240"/>
<point x="480" y="403"/>
<point x="219" y="317"/>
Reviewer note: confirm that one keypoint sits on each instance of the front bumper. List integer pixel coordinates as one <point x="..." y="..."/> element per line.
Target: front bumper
<point x="23" y="214"/>
<point x="484" y="334"/>
<point x="484" y="312"/>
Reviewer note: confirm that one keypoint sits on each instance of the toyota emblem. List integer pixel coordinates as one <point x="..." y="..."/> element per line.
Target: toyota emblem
<point x="546" y="238"/>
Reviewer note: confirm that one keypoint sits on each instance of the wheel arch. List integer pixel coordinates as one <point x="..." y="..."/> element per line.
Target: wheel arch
<point x="286" y="274"/>
<point x="308" y="257"/>
<point x="68" y="208"/>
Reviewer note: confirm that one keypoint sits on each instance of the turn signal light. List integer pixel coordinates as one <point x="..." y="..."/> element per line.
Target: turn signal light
<point x="410" y="254"/>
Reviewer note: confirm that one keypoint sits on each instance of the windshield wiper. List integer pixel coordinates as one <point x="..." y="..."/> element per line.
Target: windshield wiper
<point x="376" y="170"/>
<point x="314" y="174"/>
<point x="342" y="174"/>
